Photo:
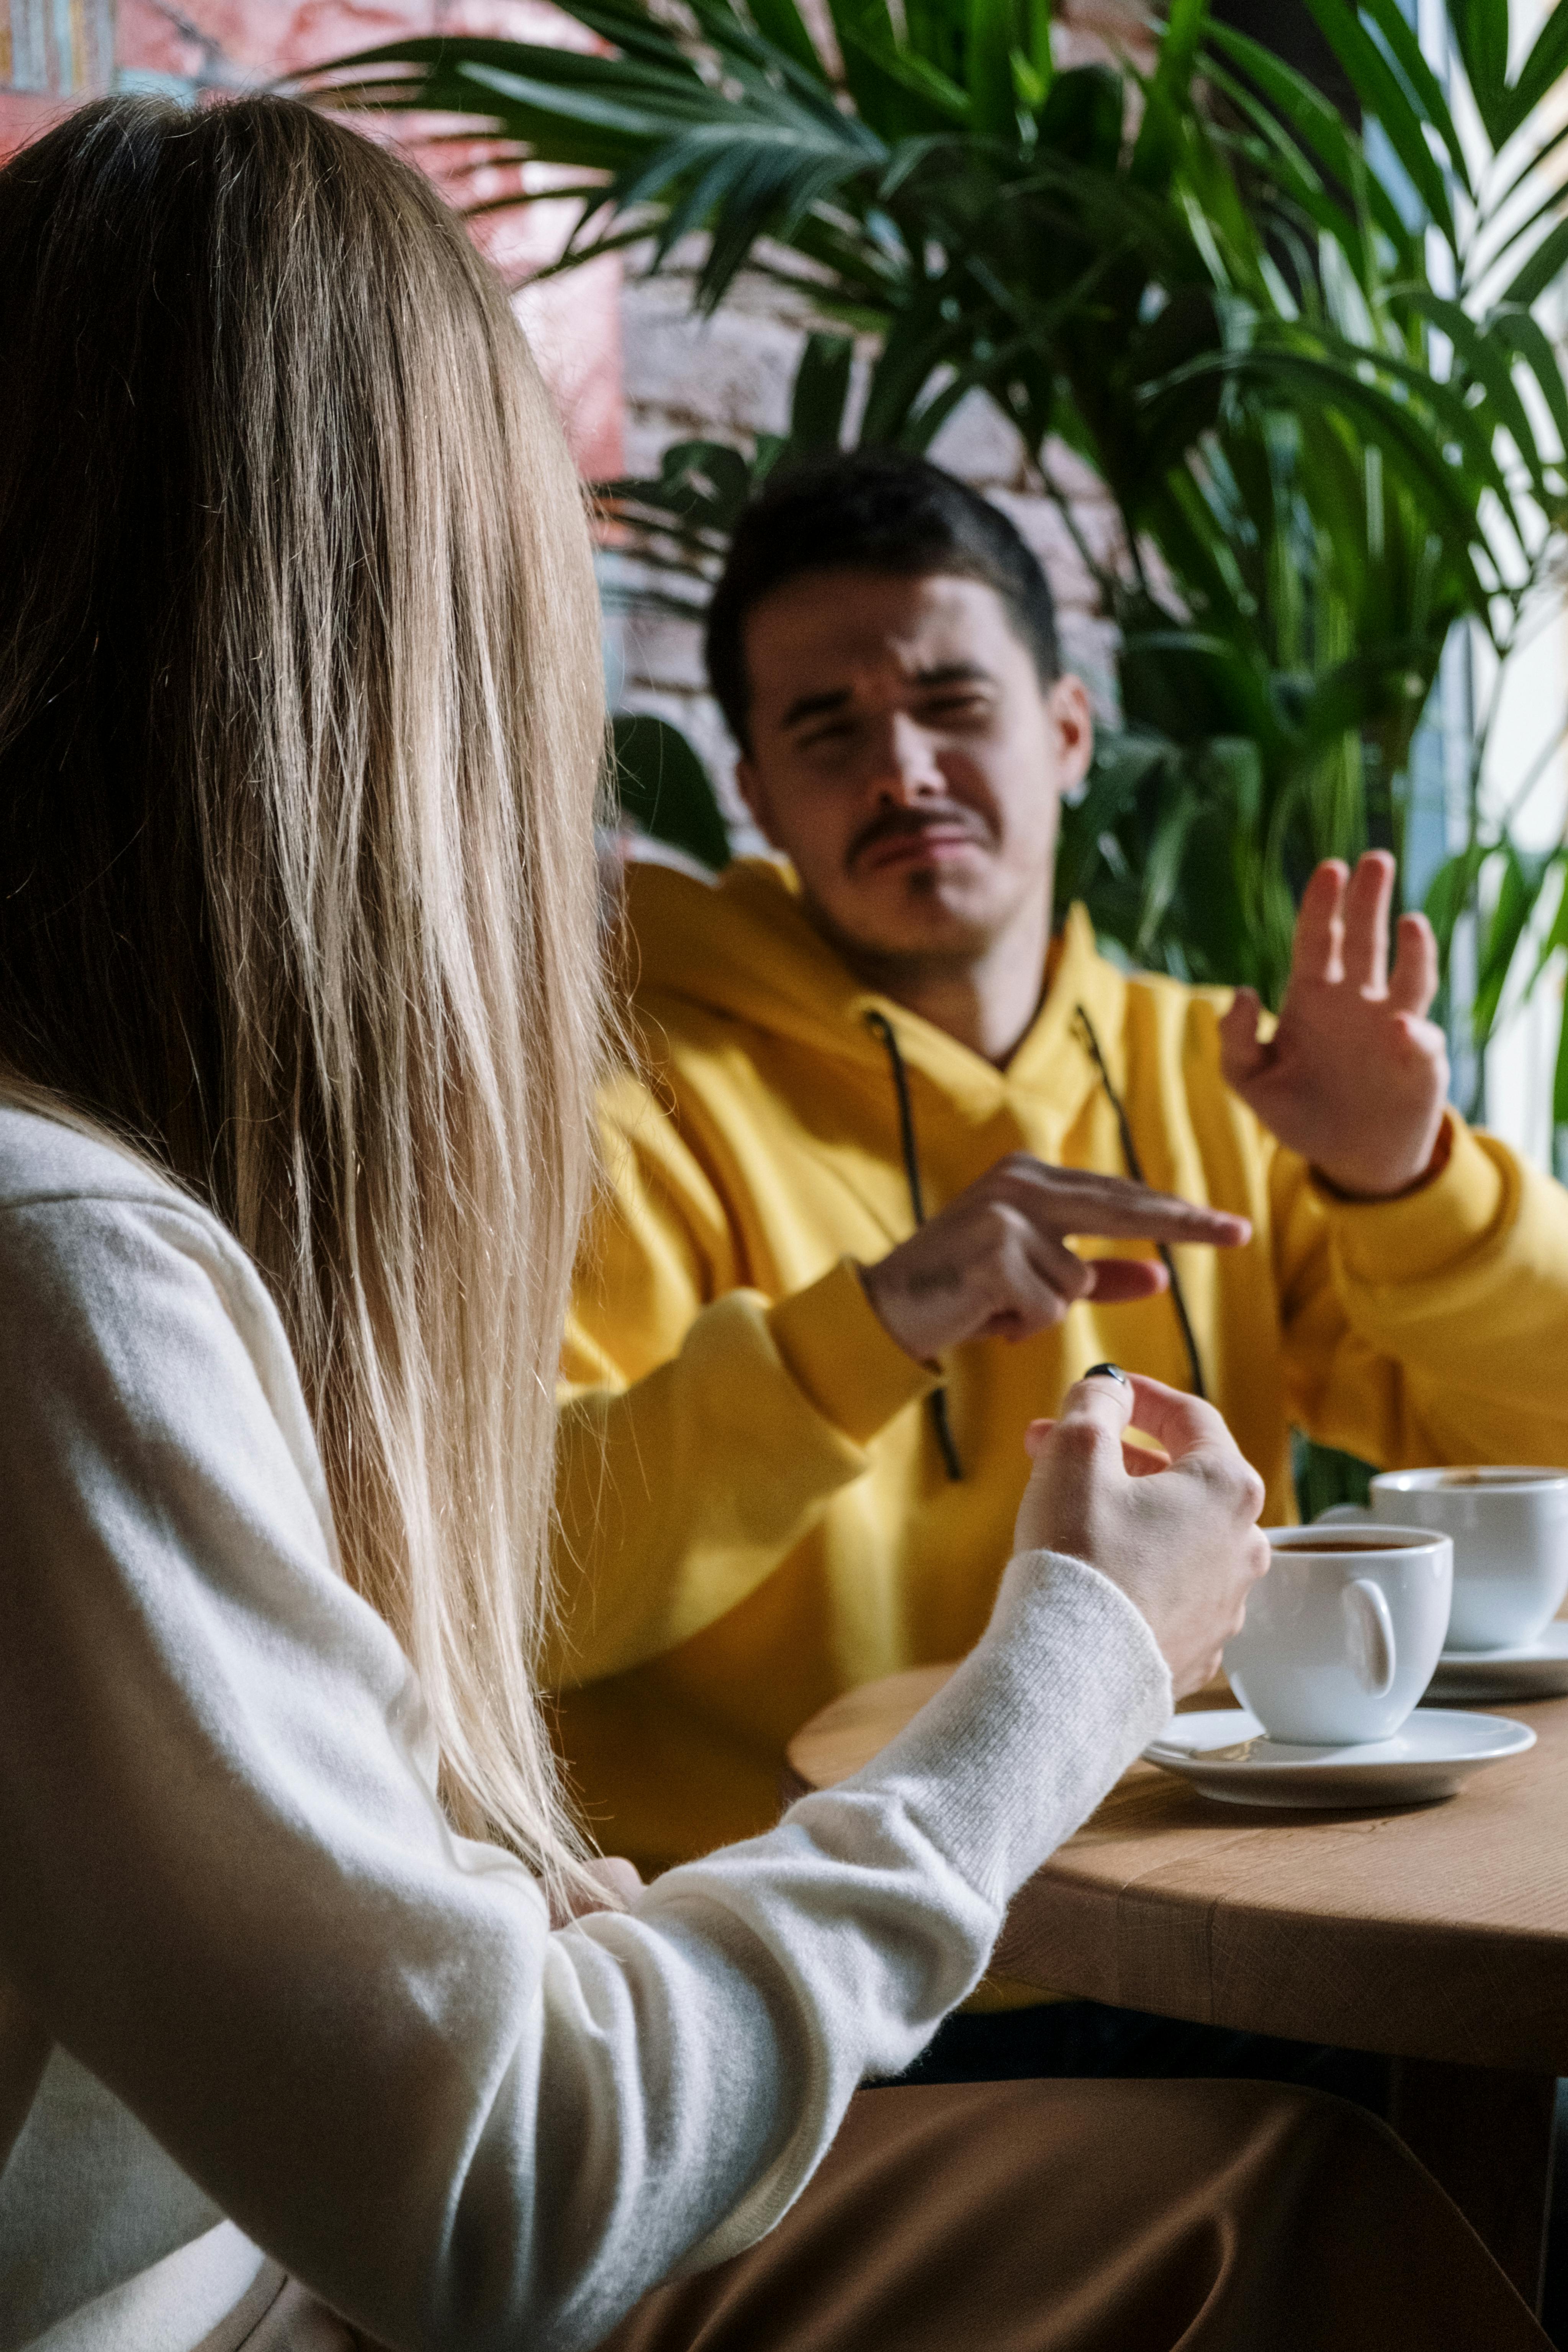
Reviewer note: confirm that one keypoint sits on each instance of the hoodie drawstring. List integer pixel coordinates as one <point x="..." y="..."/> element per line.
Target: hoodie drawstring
<point x="936" y="1404"/>
<point x="1135" y="1169"/>
<point x="881" y="1027"/>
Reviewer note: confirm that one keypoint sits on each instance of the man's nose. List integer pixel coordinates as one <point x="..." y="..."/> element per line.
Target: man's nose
<point x="907" y="770"/>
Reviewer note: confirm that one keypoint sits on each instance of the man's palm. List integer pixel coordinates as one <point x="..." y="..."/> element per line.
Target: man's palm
<point x="1356" y="1076"/>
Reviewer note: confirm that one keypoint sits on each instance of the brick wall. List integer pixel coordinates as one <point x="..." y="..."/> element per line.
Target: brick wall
<point x="186" y="47"/>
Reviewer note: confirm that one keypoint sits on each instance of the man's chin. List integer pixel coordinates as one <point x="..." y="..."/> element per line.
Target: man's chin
<point x="911" y="915"/>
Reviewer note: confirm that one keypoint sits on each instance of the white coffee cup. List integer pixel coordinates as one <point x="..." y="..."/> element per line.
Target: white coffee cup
<point x="1343" y="1632"/>
<point x="1511" y="1543"/>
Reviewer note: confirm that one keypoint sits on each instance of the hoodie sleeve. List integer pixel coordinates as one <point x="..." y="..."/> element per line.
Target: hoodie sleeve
<point x="1432" y="1328"/>
<point x="702" y="1427"/>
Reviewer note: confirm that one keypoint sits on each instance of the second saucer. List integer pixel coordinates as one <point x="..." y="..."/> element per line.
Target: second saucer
<point x="1537" y="1669"/>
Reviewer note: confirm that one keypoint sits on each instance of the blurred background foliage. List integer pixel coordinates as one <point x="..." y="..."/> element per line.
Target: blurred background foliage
<point x="1305" y="356"/>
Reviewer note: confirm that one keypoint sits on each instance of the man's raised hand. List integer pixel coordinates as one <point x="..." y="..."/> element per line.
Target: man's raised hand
<point x="1356" y="1076"/>
<point x="996" y="1264"/>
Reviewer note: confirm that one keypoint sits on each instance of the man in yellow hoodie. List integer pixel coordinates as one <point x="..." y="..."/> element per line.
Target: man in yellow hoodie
<point x="836" y="1275"/>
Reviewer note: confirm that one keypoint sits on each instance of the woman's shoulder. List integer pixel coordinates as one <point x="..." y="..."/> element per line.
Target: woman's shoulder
<point x="89" y="1227"/>
<point x="47" y="1157"/>
<point x="124" y="1297"/>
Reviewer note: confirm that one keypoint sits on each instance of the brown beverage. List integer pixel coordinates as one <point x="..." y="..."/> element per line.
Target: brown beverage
<point x="1497" y="1478"/>
<point x="1309" y="1539"/>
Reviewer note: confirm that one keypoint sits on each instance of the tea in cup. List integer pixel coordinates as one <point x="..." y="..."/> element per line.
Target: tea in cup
<point x="1343" y="1634"/>
<point x="1510" y="1528"/>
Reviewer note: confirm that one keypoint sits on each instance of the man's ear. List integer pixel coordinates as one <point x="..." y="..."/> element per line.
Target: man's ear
<point x="1072" y="724"/>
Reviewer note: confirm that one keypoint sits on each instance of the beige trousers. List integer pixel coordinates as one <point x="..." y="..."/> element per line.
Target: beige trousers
<point x="1103" y="2217"/>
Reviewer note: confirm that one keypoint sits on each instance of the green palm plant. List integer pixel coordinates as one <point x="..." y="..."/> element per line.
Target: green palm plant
<point x="1307" y="366"/>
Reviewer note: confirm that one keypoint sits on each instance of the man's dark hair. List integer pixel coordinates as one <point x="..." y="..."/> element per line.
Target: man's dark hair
<point x="869" y="510"/>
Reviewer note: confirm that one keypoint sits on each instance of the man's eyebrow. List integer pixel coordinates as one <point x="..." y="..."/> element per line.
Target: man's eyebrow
<point x="954" y="674"/>
<point x="813" y="706"/>
<point x="817" y="706"/>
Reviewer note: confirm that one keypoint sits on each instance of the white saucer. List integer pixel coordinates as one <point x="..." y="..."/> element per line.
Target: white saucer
<point x="1537" y="1669"/>
<point x="1224" y="1753"/>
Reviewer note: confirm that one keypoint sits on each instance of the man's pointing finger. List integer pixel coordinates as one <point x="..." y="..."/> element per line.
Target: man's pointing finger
<point x="1112" y="1209"/>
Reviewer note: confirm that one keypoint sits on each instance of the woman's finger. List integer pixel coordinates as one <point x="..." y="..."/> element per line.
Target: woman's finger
<point x="1180" y="1423"/>
<point x="1141" y="1459"/>
<point x="1101" y="1400"/>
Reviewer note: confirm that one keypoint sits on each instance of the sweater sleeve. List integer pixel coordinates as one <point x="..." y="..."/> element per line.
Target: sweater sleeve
<point x="703" y="1428"/>
<point x="227" y="1888"/>
<point x="1431" y="1328"/>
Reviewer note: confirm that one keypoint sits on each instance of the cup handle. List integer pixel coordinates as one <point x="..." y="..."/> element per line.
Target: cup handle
<point x="1343" y="1514"/>
<point x="1371" y="1630"/>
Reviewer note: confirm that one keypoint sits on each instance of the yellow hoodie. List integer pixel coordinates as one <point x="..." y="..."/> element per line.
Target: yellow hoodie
<point x="756" y="1515"/>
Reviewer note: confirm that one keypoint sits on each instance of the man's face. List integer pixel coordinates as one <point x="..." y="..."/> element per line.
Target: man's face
<point x="906" y="758"/>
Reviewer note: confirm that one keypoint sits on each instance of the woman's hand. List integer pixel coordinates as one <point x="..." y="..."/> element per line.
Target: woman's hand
<point x="1179" y="1534"/>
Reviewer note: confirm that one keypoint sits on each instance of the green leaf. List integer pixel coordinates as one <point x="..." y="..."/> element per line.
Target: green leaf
<point x="1524" y="879"/>
<point x="993" y="101"/>
<point x="1428" y="101"/>
<point x="1082" y="117"/>
<point x="1539" y="75"/>
<point x="663" y="789"/>
<point x="1481" y="34"/>
<point x="1316" y="123"/>
<point x="1526" y="337"/>
<point x="781" y="23"/>
<point x="1162" y="867"/>
<point x="821" y="391"/>
<point x="1037" y="14"/>
<point x="1450" y="892"/>
<point x="868" y="39"/>
<point x="1485" y="357"/>
<point x="1557" y="935"/>
<point x="1560" y="1074"/>
<point x="1166" y="95"/>
<point x="1545" y="267"/>
<point x="941" y="105"/>
<point x="1126" y="763"/>
<point x="1384" y="94"/>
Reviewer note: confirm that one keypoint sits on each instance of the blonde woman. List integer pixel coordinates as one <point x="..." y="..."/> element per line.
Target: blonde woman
<point x="300" y="724"/>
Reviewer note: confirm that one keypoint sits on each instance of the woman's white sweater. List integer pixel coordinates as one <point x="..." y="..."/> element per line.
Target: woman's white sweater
<point x="261" y="2011"/>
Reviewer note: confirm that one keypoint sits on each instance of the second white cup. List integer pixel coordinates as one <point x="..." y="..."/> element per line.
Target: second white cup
<point x="1511" y="1543"/>
<point x="1343" y="1634"/>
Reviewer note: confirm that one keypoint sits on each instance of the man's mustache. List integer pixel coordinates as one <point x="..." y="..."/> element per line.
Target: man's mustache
<point x="906" y="824"/>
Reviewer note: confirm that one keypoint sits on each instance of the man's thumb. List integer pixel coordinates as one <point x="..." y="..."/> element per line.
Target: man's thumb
<point x="1242" y="1052"/>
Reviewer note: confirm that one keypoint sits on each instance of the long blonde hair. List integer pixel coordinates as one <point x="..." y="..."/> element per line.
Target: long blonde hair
<point x="300" y="723"/>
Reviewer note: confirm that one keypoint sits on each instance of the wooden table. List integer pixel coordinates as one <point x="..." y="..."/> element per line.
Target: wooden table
<point x="1437" y="1935"/>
